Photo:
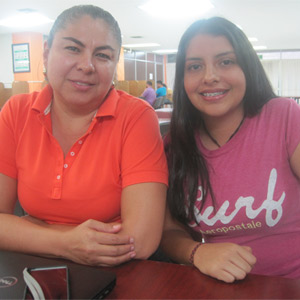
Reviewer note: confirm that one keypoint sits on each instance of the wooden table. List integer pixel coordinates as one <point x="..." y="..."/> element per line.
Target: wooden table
<point x="159" y="280"/>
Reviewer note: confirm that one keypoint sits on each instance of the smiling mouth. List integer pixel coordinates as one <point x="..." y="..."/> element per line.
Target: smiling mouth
<point x="213" y="94"/>
<point x="82" y="83"/>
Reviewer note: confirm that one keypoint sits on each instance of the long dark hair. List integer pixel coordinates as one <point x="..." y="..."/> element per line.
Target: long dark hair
<point x="187" y="166"/>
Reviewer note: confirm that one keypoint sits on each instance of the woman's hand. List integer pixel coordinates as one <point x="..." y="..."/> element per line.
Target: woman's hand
<point x="96" y="243"/>
<point x="92" y="242"/>
<point x="224" y="261"/>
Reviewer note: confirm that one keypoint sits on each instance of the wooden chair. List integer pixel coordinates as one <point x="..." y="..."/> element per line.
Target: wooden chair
<point x="20" y="87"/>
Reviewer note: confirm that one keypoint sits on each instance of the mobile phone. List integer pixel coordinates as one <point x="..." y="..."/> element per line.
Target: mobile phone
<point x="53" y="281"/>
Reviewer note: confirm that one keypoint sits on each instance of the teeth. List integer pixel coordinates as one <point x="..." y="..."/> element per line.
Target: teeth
<point x="81" y="83"/>
<point x="212" y="94"/>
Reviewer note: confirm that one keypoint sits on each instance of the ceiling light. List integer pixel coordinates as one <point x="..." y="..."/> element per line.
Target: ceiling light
<point x="165" y="51"/>
<point x="25" y="18"/>
<point x="253" y="39"/>
<point x="136" y="37"/>
<point x="176" y="8"/>
<point x="141" y="45"/>
<point x="259" y="47"/>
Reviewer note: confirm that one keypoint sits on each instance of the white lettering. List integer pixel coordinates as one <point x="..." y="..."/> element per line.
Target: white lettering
<point x="270" y="205"/>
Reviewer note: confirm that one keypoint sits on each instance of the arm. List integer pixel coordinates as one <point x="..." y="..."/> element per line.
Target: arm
<point x="142" y="211"/>
<point x="15" y="232"/>
<point x="144" y="179"/>
<point x="224" y="261"/>
<point x="91" y="242"/>
<point x="295" y="162"/>
<point x="144" y="93"/>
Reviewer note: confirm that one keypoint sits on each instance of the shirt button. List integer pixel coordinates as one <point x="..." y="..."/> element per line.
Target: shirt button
<point x="58" y="177"/>
<point x="65" y="166"/>
<point x="72" y="153"/>
<point x="80" y="142"/>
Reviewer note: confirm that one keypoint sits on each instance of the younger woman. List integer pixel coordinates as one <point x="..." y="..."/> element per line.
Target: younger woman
<point x="234" y="161"/>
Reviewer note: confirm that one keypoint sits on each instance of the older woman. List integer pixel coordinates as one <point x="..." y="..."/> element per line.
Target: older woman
<point x="85" y="161"/>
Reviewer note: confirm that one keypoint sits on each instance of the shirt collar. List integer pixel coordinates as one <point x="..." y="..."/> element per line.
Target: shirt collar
<point x="109" y="106"/>
<point x="43" y="102"/>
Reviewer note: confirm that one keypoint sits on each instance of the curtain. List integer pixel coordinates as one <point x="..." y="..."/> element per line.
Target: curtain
<point x="284" y="76"/>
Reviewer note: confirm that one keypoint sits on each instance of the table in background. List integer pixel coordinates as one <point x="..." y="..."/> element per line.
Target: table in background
<point x="158" y="280"/>
<point x="164" y="113"/>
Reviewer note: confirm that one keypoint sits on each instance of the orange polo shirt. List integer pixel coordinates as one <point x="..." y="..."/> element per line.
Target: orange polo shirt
<point x="122" y="147"/>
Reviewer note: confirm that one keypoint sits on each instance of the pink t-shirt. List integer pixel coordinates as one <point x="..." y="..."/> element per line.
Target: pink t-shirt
<point x="257" y="194"/>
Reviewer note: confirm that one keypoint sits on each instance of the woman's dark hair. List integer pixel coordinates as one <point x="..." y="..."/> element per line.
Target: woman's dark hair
<point x="75" y="12"/>
<point x="187" y="166"/>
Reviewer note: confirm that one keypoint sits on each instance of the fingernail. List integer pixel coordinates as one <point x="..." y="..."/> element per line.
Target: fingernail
<point x="132" y="248"/>
<point x="132" y="254"/>
<point x="131" y="240"/>
<point x="117" y="226"/>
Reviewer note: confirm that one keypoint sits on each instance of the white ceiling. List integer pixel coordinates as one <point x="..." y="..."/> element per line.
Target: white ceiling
<point x="276" y="23"/>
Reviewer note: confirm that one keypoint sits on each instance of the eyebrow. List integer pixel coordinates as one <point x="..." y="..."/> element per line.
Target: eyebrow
<point x="217" y="56"/>
<point x="106" y="47"/>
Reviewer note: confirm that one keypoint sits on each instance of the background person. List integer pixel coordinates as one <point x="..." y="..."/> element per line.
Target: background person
<point x="161" y="89"/>
<point x="234" y="161"/>
<point x="149" y="93"/>
<point x="85" y="161"/>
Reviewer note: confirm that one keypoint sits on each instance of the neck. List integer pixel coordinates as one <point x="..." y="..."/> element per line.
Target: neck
<point x="217" y="134"/>
<point x="67" y="127"/>
<point x="64" y="116"/>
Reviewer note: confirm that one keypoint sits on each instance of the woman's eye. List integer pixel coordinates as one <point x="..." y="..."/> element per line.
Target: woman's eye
<point x="103" y="56"/>
<point x="194" y="67"/>
<point x="72" y="48"/>
<point x="227" y="62"/>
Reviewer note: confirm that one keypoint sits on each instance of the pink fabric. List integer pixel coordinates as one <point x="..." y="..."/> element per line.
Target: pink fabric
<point x="257" y="194"/>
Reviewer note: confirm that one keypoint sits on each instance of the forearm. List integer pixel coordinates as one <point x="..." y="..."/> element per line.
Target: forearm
<point x="224" y="261"/>
<point x="178" y="245"/>
<point x="19" y="234"/>
<point x="146" y="238"/>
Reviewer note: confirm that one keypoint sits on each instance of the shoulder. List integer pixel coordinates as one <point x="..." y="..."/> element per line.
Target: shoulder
<point x="19" y="105"/>
<point x="278" y="115"/>
<point x="135" y="113"/>
<point x="131" y="104"/>
<point x="281" y="102"/>
<point x="37" y="100"/>
<point x="281" y="107"/>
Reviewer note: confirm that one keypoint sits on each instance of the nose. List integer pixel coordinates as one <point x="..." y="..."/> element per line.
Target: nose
<point x="86" y="65"/>
<point x="210" y="74"/>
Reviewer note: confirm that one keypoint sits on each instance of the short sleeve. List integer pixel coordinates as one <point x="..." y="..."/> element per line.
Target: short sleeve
<point x="8" y="140"/>
<point x="143" y="157"/>
<point x="293" y="126"/>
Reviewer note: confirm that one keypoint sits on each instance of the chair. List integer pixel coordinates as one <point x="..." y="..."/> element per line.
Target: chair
<point x="159" y="102"/>
<point x="19" y="211"/>
<point x="164" y="127"/>
<point x="20" y="87"/>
